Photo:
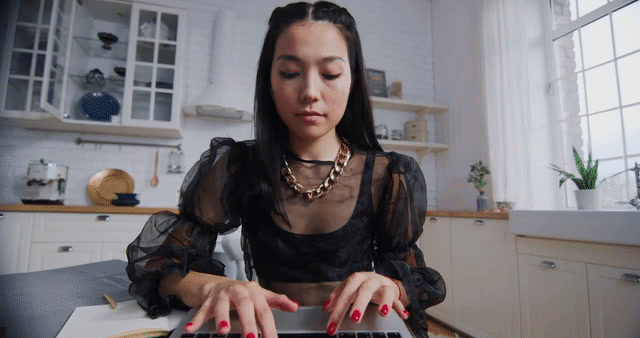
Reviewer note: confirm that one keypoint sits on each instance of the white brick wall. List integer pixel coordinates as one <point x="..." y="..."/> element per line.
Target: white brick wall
<point x="396" y="37"/>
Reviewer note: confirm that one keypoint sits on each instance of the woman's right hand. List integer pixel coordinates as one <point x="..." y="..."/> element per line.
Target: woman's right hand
<point x="252" y="303"/>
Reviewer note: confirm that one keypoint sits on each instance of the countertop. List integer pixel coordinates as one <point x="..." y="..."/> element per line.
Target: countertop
<point x="97" y="209"/>
<point x="467" y="214"/>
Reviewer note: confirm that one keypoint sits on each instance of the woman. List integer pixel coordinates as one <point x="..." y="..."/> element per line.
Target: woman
<point x="347" y="243"/>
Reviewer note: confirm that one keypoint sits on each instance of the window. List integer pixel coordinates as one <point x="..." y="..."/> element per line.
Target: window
<point x="596" y="48"/>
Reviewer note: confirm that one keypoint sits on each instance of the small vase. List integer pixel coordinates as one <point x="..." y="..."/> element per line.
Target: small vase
<point x="588" y="199"/>
<point x="482" y="202"/>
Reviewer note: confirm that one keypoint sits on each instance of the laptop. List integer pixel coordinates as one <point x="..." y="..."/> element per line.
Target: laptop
<point x="309" y="322"/>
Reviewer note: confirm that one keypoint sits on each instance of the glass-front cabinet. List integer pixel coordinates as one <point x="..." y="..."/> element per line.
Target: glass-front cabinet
<point x="105" y="66"/>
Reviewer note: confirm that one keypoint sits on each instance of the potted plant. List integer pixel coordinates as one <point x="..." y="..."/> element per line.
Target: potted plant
<point x="477" y="177"/>
<point x="587" y="196"/>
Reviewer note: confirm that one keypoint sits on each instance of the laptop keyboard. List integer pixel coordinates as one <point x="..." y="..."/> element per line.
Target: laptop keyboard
<point x="302" y="335"/>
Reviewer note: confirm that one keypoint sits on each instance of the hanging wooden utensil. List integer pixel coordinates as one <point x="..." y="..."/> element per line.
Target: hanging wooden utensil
<point x="154" y="179"/>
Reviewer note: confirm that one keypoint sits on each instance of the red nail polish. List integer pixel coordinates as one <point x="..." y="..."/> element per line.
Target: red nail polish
<point x="385" y="310"/>
<point x="188" y="326"/>
<point x="223" y="325"/>
<point x="251" y="335"/>
<point x="326" y="305"/>
<point x="297" y="303"/>
<point x="406" y="313"/>
<point x="333" y="327"/>
<point x="355" y="316"/>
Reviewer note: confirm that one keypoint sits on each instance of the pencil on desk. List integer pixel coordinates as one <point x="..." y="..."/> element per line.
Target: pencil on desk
<point x="111" y="301"/>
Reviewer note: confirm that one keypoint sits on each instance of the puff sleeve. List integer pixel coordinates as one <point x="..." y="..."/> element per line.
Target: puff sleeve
<point x="176" y="243"/>
<point x="399" y="224"/>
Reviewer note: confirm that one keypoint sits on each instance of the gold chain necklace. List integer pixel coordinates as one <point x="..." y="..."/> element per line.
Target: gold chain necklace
<point x="344" y="154"/>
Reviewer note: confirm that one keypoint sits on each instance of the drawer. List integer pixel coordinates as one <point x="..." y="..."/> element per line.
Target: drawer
<point x="46" y="256"/>
<point x="81" y="227"/>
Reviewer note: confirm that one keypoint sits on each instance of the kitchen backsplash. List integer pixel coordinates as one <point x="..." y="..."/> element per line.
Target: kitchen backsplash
<point x="400" y="44"/>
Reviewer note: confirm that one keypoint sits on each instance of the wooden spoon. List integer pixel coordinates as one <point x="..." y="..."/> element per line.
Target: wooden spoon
<point x="154" y="179"/>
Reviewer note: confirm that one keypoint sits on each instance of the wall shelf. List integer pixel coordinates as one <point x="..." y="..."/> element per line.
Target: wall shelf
<point x="421" y="109"/>
<point x="396" y="104"/>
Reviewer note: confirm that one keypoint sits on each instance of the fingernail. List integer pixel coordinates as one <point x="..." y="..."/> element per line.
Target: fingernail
<point x="385" y="310"/>
<point x="189" y="326"/>
<point x="223" y="325"/>
<point x="251" y="335"/>
<point x="326" y="306"/>
<point x="333" y="327"/>
<point x="406" y="313"/>
<point x="297" y="303"/>
<point x="355" y="316"/>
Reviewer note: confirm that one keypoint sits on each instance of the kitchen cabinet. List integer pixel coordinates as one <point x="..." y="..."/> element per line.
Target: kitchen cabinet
<point x="34" y="241"/>
<point x="139" y="56"/>
<point x="484" y="271"/>
<point x="478" y="261"/>
<point x="435" y="243"/>
<point x="65" y="239"/>
<point x="15" y="236"/>
<point x="614" y="301"/>
<point x="578" y="289"/>
<point x="553" y="297"/>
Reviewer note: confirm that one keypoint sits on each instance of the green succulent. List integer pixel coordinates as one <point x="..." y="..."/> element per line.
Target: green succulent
<point x="588" y="174"/>
<point x="477" y="175"/>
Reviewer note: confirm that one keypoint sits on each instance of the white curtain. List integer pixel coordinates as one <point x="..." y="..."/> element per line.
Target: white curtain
<point x="521" y="128"/>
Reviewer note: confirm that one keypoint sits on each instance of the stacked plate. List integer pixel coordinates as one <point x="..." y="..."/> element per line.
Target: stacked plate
<point x="125" y="200"/>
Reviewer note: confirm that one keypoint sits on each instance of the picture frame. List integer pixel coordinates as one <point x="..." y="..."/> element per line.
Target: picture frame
<point x="377" y="83"/>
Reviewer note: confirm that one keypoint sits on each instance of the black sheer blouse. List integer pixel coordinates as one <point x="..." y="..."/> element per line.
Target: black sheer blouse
<point x="369" y="221"/>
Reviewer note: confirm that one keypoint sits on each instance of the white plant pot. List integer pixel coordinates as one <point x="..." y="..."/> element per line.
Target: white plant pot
<point x="588" y="199"/>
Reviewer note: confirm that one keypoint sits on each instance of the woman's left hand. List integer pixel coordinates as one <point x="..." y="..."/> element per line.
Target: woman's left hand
<point x="360" y="289"/>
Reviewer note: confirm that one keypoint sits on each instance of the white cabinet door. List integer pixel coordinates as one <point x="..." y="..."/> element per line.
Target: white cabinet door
<point x="46" y="256"/>
<point x="553" y="297"/>
<point x="485" y="277"/>
<point x="114" y="251"/>
<point x="23" y="61"/>
<point x="55" y="67"/>
<point x="153" y="95"/>
<point x="614" y="301"/>
<point x="435" y="243"/>
<point x="15" y="237"/>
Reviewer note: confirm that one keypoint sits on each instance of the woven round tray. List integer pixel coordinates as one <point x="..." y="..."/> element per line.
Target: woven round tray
<point x="104" y="185"/>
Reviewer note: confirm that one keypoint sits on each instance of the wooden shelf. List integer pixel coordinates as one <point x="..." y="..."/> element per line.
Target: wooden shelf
<point x="421" y="109"/>
<point x="402" y="105"/>
<point x="415" y="146"/>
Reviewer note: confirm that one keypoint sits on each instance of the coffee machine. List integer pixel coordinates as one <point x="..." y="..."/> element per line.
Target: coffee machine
<point x="46" y="183"/>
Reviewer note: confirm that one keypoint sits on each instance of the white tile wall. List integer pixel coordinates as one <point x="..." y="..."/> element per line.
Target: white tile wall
<point x="396" y="37"/>
<point x="457" y="45"/>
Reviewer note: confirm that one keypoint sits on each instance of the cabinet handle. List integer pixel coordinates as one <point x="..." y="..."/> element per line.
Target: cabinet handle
<point x="548" y="264"/>
<point x="433" y="220"/>
<point x="66" y="248"/>
<point x="629" y="277"/>
<point x="478" y="222"/>
<point x="103" y="218"/>
<point x="1" y="216"/>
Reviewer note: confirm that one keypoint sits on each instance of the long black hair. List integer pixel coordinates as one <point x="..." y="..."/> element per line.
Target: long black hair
<point x="272" y="135"/>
